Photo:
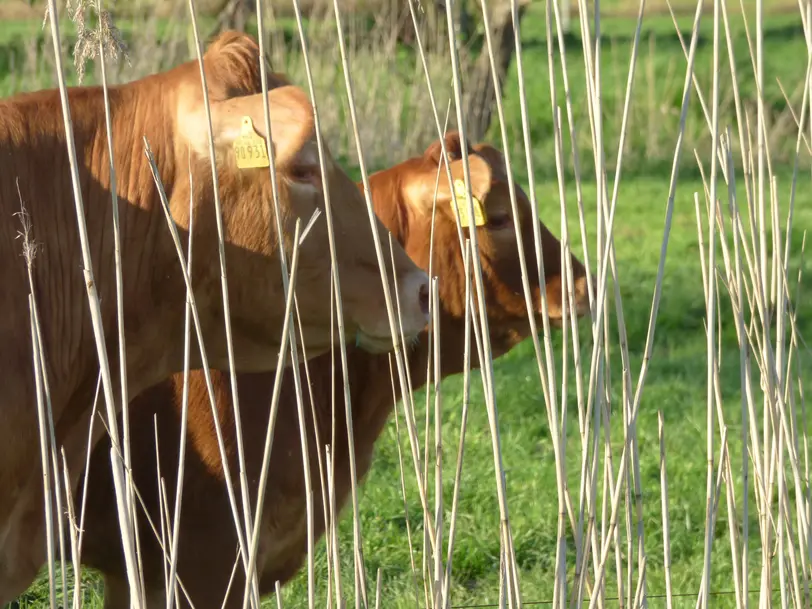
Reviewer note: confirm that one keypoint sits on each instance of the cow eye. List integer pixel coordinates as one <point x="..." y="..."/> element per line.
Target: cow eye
<point x="308" y="174"/>
<point x="499" y="221"/>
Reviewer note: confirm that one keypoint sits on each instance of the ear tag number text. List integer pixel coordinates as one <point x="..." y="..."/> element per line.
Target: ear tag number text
<point x="462" y="203"/>
<point x="249" y="147"/>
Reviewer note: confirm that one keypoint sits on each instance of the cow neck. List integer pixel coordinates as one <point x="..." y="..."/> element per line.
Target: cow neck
<point x="369" y="374"/>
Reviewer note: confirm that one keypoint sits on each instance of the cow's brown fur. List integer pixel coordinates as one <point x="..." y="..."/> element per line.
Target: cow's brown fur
<point x="168" y="110"/>
<point x="403" y="200"/>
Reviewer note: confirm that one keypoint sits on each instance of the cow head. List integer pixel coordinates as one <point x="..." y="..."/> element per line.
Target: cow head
<point x="496" y="234"/>
<point x="246" y="192"/>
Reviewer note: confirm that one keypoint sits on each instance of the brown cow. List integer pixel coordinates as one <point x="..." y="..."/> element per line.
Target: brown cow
<point x="207" y="544"/>
<point x="168" y="110"/>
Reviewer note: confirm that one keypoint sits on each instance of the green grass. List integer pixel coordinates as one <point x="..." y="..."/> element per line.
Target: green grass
<point x="675" y="385"/>
<point x="676" y="380"/>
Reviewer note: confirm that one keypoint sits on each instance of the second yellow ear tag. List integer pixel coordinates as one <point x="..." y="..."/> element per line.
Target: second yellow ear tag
<point x="249" y="147"/>
<point x="462" y="202"/>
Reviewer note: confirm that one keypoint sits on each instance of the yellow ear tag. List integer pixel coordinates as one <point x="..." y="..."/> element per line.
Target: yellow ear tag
<point x="249" y="147"/>
<point x="462" y="202"/>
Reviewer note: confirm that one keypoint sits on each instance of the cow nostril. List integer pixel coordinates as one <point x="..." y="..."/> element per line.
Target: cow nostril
<point x="423" y="298"/>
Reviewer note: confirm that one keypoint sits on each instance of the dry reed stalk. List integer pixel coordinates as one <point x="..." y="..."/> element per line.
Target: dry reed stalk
<point x="438" y="449"/>
<point x="287" y="334"/>
<point x="122" y="501"/>
<point x="548" y="379"/>
<point x="44" y="456"/>
<point x="166" y="522"/>
<point x="773" y="358"/>
<point x="242" y="534"/>
<point x="122" y="350"/>
<point x="29" y="252"/>
<point x="710" y="309"/>
<point x="76" y="546"/>
<point x="466" y="384"/>
<point x="30" y="248"/>
<point x="402" y="476"/>
<point x="294" y="354"/>
<point x="767" y="366"/>
<point x="74" y="540"/>
<point x="382" y="268"/>
<point x="655" y="303"/>
<point x="664" y="507"/>
<point x="333" y="530"/>
<point x="599" y="371"/>
<point x="487" y="364"/>
<point x="199" y="334"/>
<point x="408" y="406"/>
<point x="247" y="557"/>
<point x="596" y="127"/>
<point x="587" y="472"/>
<point x="184" y="413"/>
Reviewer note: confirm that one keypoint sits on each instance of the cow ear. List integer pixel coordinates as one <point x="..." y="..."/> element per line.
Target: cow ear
<point x="238" y="126"/>
<point x="420" y="190"/>
<point x="232" y="66"/>
<point x="494" y="157"/>
<point x="453" y="147"/>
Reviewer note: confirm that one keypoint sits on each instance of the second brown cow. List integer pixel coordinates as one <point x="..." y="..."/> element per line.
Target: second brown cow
<point x="403" y="197"/>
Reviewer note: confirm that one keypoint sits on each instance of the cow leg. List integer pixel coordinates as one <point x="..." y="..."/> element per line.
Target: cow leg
<point x="116" y="593"/>
<point x="22" y="542"/>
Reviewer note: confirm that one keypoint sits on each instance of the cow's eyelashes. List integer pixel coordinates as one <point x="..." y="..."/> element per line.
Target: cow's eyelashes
<point x="499" y="221"/>
<point x="306" y="174"/>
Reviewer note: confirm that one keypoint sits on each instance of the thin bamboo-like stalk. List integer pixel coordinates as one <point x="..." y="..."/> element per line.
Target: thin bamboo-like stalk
<point x="704" y="587"/>
<point x="231" y="578"/>
<point x="184" y="414"/>
<point x="588" y="473"/>
<point x="619" y="309"/>
<point x="784" y="303"/>
<point x="775" y="358"/>
<point x="710" y="310"/>
<point x="658" y="288"/>
<point x="333" y="530"/>
<point x="438" y="447"/>
<point x="293" y="349"/>
<point x="198" y="330"/>
<point x="348" y="83"/>
<point x="378" y="589"/>
<point x="593" y="97"/>
<point x="408" y="406"/>
<point x="664" y="502"/>
<point x="466" y="387"/>
<point x="246" y="532"/>
<point x="76" y="549"/>
<point x="163" y="507"/>
<point x="733" y="533"/>
<point x="401" y="471"/>
<point x="93" y="299"/>
<point x="76" y="562"/>
<point x="44" y="456"/>
<point x="263" y="479"/>
<point x="382" y="268"/>
<point x="280" y="363"/>
<point x="119" y="275"/>
<point x="29" y="254"/>
<point x="487" y="364"/>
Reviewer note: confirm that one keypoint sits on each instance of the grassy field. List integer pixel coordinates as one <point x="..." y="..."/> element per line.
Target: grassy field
<point x="676" y="382"/>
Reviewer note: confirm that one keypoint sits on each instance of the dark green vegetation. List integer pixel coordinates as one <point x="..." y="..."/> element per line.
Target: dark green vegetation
<point x="676" y="381"/>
